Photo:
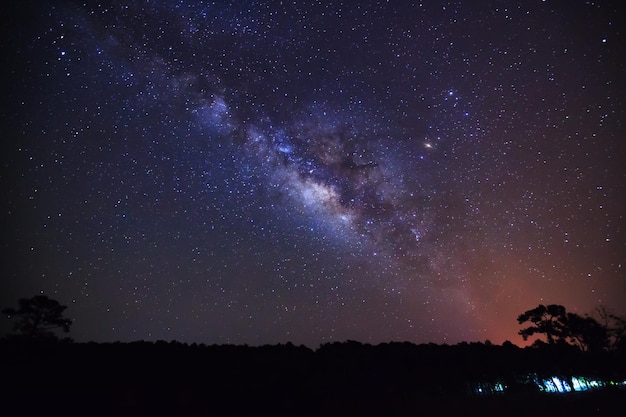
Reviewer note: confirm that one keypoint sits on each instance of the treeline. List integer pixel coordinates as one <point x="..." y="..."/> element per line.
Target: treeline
<point x="350" y="378"/>
<point x="43" y="374"/>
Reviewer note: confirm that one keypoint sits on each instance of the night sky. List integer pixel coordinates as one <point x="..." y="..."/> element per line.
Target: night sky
<point x="264" y="171"/>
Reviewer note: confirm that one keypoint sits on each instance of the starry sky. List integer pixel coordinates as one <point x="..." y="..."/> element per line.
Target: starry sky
<point x="313" y="171"/>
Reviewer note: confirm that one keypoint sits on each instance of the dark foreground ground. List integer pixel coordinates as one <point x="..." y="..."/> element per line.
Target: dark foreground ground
<point x="79" y="403"/>
<point x="342" y="379"/>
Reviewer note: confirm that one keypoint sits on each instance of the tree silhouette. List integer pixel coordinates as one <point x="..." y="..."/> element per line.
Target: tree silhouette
<point x="590" y="333"/>
<point x="587" y="333"/>
<point x="38" y="317"/>
<point x="550" y="321"/>
<point x="615" y="326"/>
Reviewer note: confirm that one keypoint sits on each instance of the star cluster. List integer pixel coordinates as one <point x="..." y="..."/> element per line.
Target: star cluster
<point x="262" y="172"/>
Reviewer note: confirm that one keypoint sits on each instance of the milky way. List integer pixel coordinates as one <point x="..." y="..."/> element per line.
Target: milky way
<point x="264" y="172"/>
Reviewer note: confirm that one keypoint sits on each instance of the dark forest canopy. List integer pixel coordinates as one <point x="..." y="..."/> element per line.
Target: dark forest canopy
<point x="340" y="378"/>
<point x="144" y="378"/>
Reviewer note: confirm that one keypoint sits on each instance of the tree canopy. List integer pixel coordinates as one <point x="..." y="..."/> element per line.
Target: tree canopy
<point x="550" y="321"/>
<point x="586" y="332"/>
<point x="39" y="317"/>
